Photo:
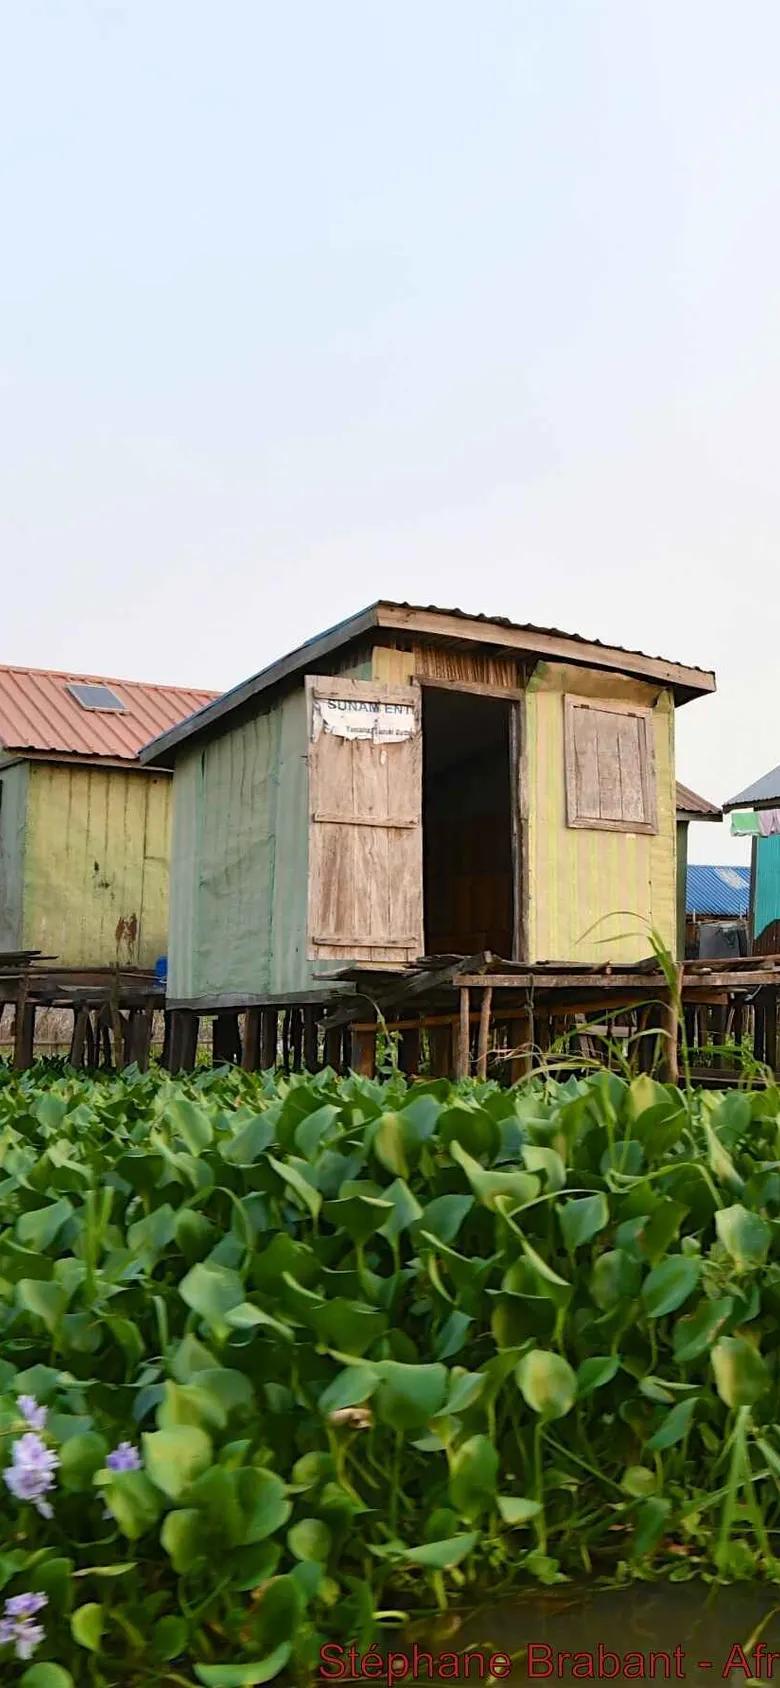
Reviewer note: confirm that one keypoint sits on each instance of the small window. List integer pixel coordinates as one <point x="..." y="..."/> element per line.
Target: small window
<point x="610" y="768"/>
<point x="95" y="697"/>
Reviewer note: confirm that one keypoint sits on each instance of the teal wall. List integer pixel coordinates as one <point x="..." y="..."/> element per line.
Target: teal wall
<point x="766" y="894"/>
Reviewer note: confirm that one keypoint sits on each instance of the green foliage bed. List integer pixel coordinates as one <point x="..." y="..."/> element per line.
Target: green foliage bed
<point x="365" y="1351"/>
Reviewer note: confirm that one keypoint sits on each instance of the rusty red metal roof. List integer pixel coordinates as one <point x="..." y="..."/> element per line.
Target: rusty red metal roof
<point x="690" y="803"/>
<point x="39" y="715"/>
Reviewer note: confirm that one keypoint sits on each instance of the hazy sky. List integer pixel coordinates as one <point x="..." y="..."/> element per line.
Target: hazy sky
<point x="307" y="302"/>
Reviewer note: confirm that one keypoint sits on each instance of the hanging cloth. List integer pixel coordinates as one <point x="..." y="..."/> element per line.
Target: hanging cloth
<point x="745" y="825"/>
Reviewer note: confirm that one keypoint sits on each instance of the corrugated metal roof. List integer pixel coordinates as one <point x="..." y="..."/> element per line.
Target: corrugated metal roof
<point x="761" y="793"/>
<point x="690" y="803"/>
<point x="685" y="681"/>
<point x="717" y="890"/>
<point x="39" y="715"/>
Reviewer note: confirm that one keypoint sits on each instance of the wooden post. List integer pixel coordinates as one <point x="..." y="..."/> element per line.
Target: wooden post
<point x="669" y="1027"/>
<point x="225" y="1040"/>
<point x="142" y="1038"/>
<point x="286" y="1020"/>
<point x="409" y="1050"/>
<point x="770" y="1028"/>
<point x="269" y="1035"/>
<point x="78" y="1040"/>
<point x="521" y="1037"/>
<point x="310" y="1039"/>
<point x="462" y="1047"/>
<point x="250" y="1054"/>
<point x="718" y="1024"/>
<point x="90" y="1043"/>
<point x="334" y="1043"/>
<point x="362" y="1057"/>
<point x="296" y="1039"/>
<point x="24" y="1035"/>
<point x="440" y="1048"/>
<point x="165" y="1055"/>
<point x="484" y="1031"/>
<point x="759" y="1027"/>
<point x="184" y="1040"/>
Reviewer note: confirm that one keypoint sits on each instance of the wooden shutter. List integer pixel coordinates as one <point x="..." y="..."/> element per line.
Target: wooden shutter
<point x="610" y="770"/>
<point x="365" y="827"/>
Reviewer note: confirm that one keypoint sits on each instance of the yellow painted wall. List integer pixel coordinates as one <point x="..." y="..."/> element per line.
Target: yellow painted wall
<point x="578" y="877"/>
<point x="97" y="851"/>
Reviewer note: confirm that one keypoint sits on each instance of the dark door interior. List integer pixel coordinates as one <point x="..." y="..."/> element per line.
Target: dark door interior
<point x="467" y="824"/>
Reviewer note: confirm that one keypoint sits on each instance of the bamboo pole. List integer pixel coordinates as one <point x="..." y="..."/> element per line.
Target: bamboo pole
<point x="484" y="1032"/>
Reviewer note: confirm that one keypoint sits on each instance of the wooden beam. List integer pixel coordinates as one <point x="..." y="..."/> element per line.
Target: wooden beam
<point x="24" y="1036"/>
<point x="521" y="1037"/>
<point x="559" y="646"/>
<point x="250" y="1053"/>
<point x="269" y="1038"/>
<point x="362" y="1057"/>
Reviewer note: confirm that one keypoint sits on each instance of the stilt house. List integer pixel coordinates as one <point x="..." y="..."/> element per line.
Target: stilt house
<point x="758" y="818"/>
<point x="84" y="830"/>
<point x="422" y="782"/>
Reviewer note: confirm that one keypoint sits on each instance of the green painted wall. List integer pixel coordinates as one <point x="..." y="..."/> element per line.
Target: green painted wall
<point x="13" y="817"/>
<point x="766" y="894"/>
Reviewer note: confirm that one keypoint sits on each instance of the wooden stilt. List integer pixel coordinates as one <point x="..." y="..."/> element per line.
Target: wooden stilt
<point x="286" y="1023"/>
<point x="184" y="1040"/>
<point x="669" y="1025"/>
<point x="296" y="1039"/>
<point x="165" y="1055"/>
<point x="142" y="1040"/>
<point x="362" y="1058"/>
<point x="484" y="1031"/>
<point x="250" y="1053"/>
<point x="24" y="1036"/>
<point x="225" y="1040"/>
<point x="409" y="1050"/>
<point x="310" y="1039"/>
<point x="79" y="1038"/>
<point x="269" y="1033"/>
<point x="521" y="1037"/>
<point x="440" y="1050"/>
<point x="90" y="1043"/>
<point x="334" y="1040"/>
<point x="770" y="1028"/>
<point x="463" y="1029"/>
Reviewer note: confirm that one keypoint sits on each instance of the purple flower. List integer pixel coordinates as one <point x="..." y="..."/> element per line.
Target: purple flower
<point x="31" y="1475"/>
<point x="16" y="1628"/>
<point x="124" y="1458"/>
<point x="34" y="1415"/>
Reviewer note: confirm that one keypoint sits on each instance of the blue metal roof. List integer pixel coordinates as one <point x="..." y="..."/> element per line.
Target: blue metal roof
<point x="717" y="890"/>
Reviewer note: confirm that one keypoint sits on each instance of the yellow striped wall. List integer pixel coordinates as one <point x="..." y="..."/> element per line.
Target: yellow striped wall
<point x="593" y="895"/>
<point x="96" y="851"/>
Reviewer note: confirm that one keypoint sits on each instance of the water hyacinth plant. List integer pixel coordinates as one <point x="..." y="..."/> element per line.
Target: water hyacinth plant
<point x="281" y="1357"/>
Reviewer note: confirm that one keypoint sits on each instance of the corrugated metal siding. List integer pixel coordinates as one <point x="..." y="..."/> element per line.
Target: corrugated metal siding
<point x="593" y="895"/>
<point x="767" y="891"/>
<point x="37" y="712"/>
<point x="97" y="849"/>
<point x="717" y="890"/>
<point x="13" y="817"/>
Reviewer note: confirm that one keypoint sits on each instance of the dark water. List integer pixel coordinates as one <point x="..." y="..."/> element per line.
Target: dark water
<point x="680" y="1632"/>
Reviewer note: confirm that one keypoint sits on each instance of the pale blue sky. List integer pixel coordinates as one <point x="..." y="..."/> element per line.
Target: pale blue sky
<point x="305" y="303"/>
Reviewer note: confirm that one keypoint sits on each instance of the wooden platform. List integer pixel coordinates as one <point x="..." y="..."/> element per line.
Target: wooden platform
<point x="112" y="1008"/>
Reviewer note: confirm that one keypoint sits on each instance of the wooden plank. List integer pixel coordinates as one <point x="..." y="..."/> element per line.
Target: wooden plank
<point x="296" y="1039"/>
<point x="484" y="1031"/>
<point x="333" y="1048"/>
<point x="477" y="688"/>
<point x="521" y="1037"/>
<point x="362" y="1058"/>
<point x="440" y="1050"/>
<point x="518" y="811"/>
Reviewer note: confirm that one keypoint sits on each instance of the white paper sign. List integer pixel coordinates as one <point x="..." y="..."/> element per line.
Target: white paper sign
<point x="353" y="718"/>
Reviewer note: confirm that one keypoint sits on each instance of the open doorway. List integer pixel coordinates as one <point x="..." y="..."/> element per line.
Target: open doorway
<point x="467" y="824"/>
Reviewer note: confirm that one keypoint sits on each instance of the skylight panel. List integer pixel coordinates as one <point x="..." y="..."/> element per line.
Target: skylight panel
<point x="95" y="697"/>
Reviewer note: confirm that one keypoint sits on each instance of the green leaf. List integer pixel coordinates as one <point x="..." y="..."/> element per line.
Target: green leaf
<point x="741" y="1375"/>
<point x="182" y="1537"/>
<point x="442" y="1555"/>
<point x="360" y="1216"/>
<point x="444" y="1216"/>
<point x="299" y="1185"/>
<point x="473" y="1477"/>
<point x="350" y="1388"/>
<point x="212" y="1291"/>
<point x="280" y="1612"/>
<point x="652" y="1518"/>
<point x="615" y="1278"/>
<point x="582" y="1219"/>
<point x="169" y="1637"/>
<point x="695" y="1333"/>
<point x="675" y="1426"/>
<point x="37" y="1230"/>
<point x="190" y="1122"/>
<point x="245" y="1676"/>
<point x="80" y="1457"/>
<point x="45" y="1675"/>
<point x="514" y="1189"/>
<point x="720" y="1161"/>
<point x="87" y="1624"/>
<point x="309" y="1539"/>
<point x="667" y="1286"/>
<point x="515" y="1509"/>
<point x="408" y="1395"/>
<point x="46" y="1300"/>
<point x="595" y="1372"/>
<point x="174" y="1458"/>
<point x="745" y="1235"/>
<point x="547" y="1383"/>
<point x="134" y="1502"/>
